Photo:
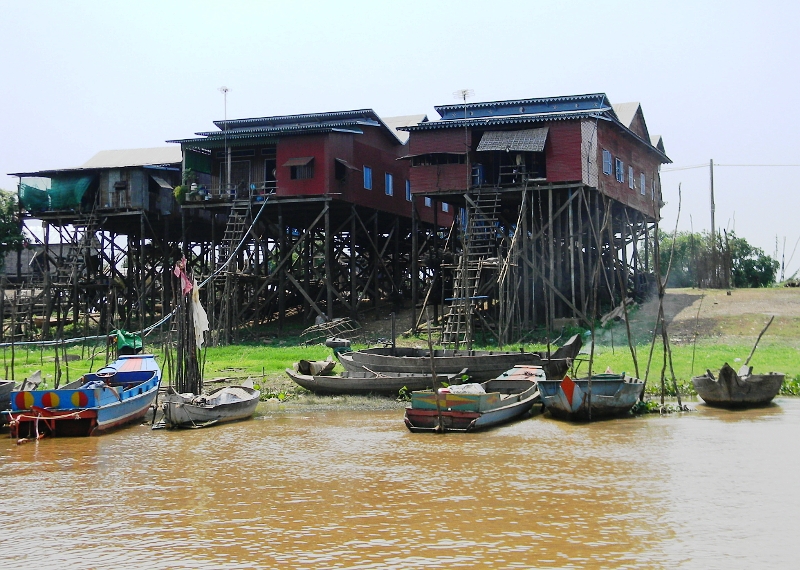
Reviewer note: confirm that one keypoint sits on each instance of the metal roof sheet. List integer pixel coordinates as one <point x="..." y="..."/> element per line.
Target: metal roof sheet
<point x="626" y="112"/>
<point x="300" y="161"/>
<point x="506" y="120"/>
<point x="527" y="140"/>
<point x="134" y="157"/>
<point x="346" y="164"/>
<point x="394" y="123"/>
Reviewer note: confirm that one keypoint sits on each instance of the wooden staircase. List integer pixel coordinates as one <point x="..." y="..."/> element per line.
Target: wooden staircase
<point x="237" y="225"/>
<point x="479" y="244"/>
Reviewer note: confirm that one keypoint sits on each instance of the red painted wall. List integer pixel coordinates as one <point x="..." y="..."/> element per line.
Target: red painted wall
<point x="297" y="147"/>
<point x="563" y="152"/>
<point x="444" y="140"/>
<point x="634" y="153"/>
<point x="439" y="178"/>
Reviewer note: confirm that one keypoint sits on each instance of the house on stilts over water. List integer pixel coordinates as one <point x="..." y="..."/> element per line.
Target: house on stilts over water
<point x="556" y="194"/>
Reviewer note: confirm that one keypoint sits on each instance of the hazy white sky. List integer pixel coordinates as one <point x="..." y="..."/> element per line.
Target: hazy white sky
<point x="716" y="79"/>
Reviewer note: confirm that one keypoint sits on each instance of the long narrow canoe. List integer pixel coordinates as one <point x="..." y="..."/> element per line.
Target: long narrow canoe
<point x="494" y="402"/>
<point x="482" y="364"/>
<point x="364" y="382"/>
<point x="611" y="395"/>
<point x="731" y="390"/>
<point x="227" y="404"/>
<point x="114" y="396"/>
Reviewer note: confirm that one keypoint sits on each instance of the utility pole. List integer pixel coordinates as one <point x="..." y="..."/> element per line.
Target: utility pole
<point x="713" y="230"/>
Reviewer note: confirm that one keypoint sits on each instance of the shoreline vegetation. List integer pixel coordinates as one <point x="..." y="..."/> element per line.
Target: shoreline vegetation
<point x="706" y="328"/>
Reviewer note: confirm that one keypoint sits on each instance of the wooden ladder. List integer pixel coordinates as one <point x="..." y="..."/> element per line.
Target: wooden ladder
<point x="478" y="244"/>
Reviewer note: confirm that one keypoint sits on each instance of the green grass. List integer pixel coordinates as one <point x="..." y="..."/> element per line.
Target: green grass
<point x="266" y="363"/>
<point x="770" y="356"/>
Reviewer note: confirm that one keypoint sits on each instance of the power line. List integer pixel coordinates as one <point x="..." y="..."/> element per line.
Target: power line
<point x="717" y="164"/>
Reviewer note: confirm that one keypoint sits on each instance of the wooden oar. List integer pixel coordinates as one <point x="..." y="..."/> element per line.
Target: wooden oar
<point x="745" y="368"/>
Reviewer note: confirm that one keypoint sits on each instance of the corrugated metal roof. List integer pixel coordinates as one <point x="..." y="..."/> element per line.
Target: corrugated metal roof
<point x="394" y="123"/>
<point x="346" y="164"/>
<point x="528" y="140"/>
<point x="291" y="128"/>
<point x="506" y="120"/>
<point x="135" y="157"/>
<point x="300" y="161"/>
<point x="626" y="112"/>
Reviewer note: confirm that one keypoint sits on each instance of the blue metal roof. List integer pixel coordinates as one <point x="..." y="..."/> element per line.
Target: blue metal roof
<point x="504" y="120"/>
<point x="297" y="119"/>
<point x="291" y="127"/>
<point x="591" y="102"/>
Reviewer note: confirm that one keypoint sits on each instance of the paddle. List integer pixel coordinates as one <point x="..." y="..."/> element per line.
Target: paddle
<point x="745" y="370"/>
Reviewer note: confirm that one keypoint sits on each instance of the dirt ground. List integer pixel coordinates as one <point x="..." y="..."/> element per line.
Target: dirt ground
<point x="735" y="315"/>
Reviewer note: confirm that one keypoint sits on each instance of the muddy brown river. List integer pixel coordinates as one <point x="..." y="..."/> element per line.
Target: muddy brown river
<point x="355" y="489"/>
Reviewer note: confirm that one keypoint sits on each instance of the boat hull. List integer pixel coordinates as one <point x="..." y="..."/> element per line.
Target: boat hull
<point x="482" y="365"/>
<point x="6" y="386"/>
<point x="613" y="395"/>
<point x="504" y="401"/>
<point x="181" y="411"/>
<point x="115" y="396"/>
<point x="733" y="391"/>
<point x="362" y="383"/>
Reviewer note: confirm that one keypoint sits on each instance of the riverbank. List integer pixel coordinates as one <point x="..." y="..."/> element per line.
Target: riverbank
<point x="706" y="328"/>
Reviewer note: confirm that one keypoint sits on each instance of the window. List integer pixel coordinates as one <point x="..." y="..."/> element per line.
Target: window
<point x="631" y="179"/>
<point x="303" y="172"/>
<point x="367" y="178"/>
<point x="389" y="184"/>
<point x="445" y="207"/>
<point x="427" y="201"/>
<point x="408" y="190"/>
<point x="620" y="170"/>
<point x="606" y="162"/>
<point x="642" y="183"/>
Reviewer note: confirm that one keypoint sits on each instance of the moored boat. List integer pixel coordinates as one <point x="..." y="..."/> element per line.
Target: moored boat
<point x="742" y="390"/>
<point x="475" y="406"/>
<point x="367" y="382"/>
<point x="227" y="404"/>
<point x="117" y="394"/>
<point x="482" y="364"/>
<point x="611" y="395"/>
<point x="6" y="386"/>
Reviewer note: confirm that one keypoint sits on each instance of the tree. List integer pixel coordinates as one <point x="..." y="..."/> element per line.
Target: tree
<point x="696" y="264"/>
<point x="750" y="266"/>
<point x="11" y="239"/>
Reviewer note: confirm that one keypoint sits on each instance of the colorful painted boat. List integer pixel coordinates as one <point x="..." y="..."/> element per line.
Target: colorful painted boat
<point x="471" y="407"/>
<point x="364" y="382"/>
<point x="742" y="390"/>
<point x="115" y="395"/>
<point x="611" y="395"/>
<point x="227" y="404"/>
<point x="482" y="364"/>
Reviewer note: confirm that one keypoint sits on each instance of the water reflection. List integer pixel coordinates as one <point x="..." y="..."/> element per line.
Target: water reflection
<point x="355" y="489"/>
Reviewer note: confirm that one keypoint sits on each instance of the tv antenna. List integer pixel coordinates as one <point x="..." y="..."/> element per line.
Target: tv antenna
<point x="224" y="90"/>
<point x="465" y="94"/>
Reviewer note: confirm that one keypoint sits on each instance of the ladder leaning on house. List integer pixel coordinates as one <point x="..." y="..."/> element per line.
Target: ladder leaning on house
<point x="235" y="229"/>
<point x="479" y="244"/>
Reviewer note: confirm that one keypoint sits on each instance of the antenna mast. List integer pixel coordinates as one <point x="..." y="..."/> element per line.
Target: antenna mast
<point x="224" y="90"/>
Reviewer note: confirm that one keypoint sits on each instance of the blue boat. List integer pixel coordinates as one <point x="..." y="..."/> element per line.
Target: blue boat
<point x="114" y="396"/>
<point x="611" y="395"/>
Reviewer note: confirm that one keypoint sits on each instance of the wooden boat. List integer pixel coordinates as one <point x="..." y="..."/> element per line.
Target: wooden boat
<point x="612" y="395"/>
<point x="732" y="390"/>
<point x="115" y="395"/>
<point x="465" y="408"/>
<point x="482" y="364"/>
<point x="227" y="404"/>
<point x="366" y="382"/>
<point x="6" y="386"/>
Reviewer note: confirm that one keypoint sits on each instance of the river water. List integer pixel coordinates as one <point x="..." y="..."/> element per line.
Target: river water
<point x="355" y="489"/>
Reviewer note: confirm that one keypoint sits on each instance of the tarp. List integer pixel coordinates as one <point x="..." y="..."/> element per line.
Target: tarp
<point x="33" y="199"/>
<point x="127" y="342"/>
<point x="67" y="191"/>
